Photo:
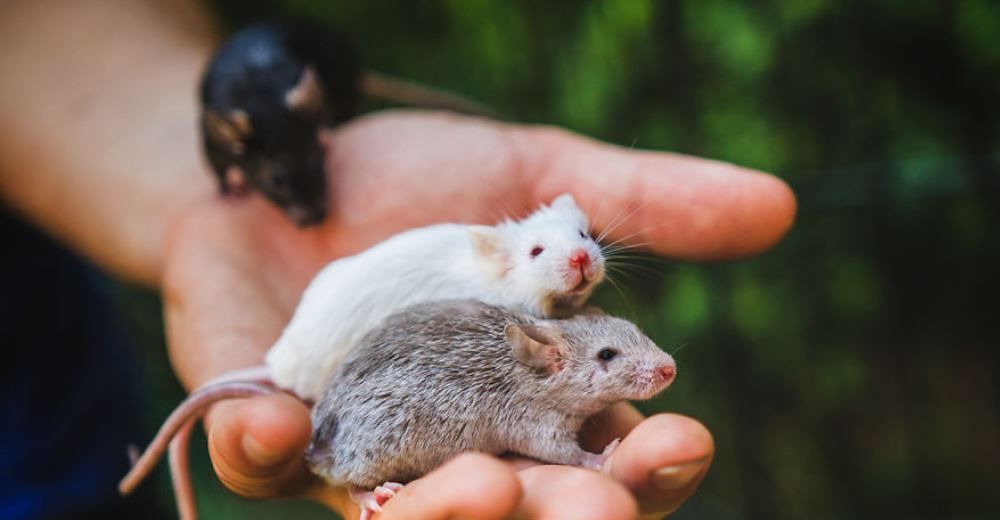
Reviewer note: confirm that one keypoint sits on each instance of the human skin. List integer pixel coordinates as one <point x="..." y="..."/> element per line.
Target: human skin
<point x="231" y="271"/>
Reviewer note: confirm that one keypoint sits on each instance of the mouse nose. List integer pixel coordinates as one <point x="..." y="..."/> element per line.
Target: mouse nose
<point x="579" y="258"/>
<point x="666" y="373"/>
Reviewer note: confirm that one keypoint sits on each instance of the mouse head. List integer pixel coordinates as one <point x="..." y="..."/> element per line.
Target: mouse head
<point x="293" y="177"/>
<point x="278" y="152"/>
<point x="548" y="262"/>
<point x="592" y="360"/>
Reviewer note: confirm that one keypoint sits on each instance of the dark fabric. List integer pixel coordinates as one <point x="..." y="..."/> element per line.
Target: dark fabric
<point x="69" y="393"/>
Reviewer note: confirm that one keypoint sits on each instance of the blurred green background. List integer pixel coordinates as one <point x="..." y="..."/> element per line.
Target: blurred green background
<point x="851" y="371"/>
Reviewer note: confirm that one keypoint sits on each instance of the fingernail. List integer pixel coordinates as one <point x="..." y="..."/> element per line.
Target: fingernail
<point x="676" y="477"/>
<point x="258" y="454"/>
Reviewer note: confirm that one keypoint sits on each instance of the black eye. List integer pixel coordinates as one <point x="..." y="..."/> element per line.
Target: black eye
<point x="607" y="354"/>
<point x="277" y="177"/>
<point x="583" y="235"/>
<point x="537" y="250"/>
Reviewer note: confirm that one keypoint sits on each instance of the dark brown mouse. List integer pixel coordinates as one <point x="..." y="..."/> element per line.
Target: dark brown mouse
<point x="268" y="92"/>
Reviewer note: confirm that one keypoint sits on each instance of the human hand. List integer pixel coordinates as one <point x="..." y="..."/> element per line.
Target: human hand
<point x="234" y="272"/>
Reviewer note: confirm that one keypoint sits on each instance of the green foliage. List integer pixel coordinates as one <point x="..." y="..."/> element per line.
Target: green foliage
<point x="731" y="35"/>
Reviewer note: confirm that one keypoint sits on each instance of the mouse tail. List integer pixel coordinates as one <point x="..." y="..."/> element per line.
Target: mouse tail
<point x="405" y="92"/>
<point x="180" y="474"/>
<point x="190" y="410"/>
<point x="259" y="374"/>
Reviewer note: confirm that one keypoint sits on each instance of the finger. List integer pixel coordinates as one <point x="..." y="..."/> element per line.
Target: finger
<point x="682" y="206"/>
<point x="568" y="492"/>
<point x="256" y="445"/>
<point x="469" y="486"/>
<point x="662" y="461"/>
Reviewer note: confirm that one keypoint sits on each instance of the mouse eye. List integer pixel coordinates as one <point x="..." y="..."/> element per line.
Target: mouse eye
<point x="277" y="177"/>
<point x="583" y="235"/>
<point x="607" y="354"/>
<point x="537" y="250"/>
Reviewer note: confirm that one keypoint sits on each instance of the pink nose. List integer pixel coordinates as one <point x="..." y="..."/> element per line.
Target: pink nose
<point x="579" y="258"/>
<point x="666" y="373"/>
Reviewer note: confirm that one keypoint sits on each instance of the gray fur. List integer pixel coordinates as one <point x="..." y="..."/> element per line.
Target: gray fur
<point x="439" y="379"/>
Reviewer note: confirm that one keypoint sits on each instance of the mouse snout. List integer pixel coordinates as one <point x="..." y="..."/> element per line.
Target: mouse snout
<point x="579" y="259"/>
<point x="665" y="373"/>
<point x="652" y="378"/>
<point x="306" y="215"/>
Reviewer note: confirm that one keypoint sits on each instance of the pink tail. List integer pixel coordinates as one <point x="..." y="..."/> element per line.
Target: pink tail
<point x="179" y="473"/>
<point x="179" y="423"/>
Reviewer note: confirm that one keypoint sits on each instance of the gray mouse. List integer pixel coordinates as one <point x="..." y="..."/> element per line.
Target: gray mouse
<point x="439" y="378"/>
<point x="442" y="378"/>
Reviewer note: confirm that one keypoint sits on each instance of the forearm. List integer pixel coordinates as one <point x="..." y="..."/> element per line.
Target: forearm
<point x="97" y="135"/>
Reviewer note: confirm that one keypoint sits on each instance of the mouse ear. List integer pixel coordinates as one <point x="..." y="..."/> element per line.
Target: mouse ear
<point x="539" y="347"/>
<point x="564" y="201"/>
<point x="227" y="130"/>
<point x="566" y="205"/>
<point x="306" y="97"/>
<point x="485" y="240"/>
<point x="488" y="245"/>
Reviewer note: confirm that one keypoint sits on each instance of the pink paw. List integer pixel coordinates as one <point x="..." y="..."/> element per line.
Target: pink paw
<point x="371" y="502"/>
<point x="596" y="462"/>
<point x="387" y="491"/>
<point x="610" y="448"/>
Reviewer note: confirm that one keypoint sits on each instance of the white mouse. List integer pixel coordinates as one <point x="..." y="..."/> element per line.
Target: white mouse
<point x="542" y="265"/>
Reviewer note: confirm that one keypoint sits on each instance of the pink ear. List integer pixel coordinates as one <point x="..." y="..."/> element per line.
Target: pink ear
<point x="307" y="96"/>
<point x="488" y="246"/>
<point x="235" y="181"/>
<point x="539" y="347"/>
<point x="485" y="240"/>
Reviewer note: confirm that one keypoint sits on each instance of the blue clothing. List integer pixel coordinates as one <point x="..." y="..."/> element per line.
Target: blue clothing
<point x="69" y="393"/>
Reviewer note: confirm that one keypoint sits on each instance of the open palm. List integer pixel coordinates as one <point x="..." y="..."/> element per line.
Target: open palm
<point x="235" y="271"/>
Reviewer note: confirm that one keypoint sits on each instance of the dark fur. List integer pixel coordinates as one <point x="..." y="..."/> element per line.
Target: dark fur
<point x="440" y="378"/>
<point x="281" y="155"/>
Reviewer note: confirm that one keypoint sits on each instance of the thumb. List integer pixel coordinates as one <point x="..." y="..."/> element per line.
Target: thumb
<point x="256" y="445"/>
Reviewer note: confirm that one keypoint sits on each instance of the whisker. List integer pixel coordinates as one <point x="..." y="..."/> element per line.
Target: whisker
<point x="611" y="225"/>
<point x="642" y="257"/>
<point x="641" y="231"/>
<point x="634" y="268"/>
<point x="621" y="292"/>
<point x="619" y="269"/>
<point x="657" y="270"/>
<point x="619" y="220"/>
<point x="610" y="250"/>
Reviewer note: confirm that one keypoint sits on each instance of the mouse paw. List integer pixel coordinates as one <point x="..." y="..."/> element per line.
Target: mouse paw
<point x="371" y="502"/>
<point x="610" y="448"/>
<point x="235" y="182"/>
<point x="387" y="491"/>
<point x="596" y="462"/>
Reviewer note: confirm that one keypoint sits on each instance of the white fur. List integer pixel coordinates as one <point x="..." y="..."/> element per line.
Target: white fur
<point x="352" y="295"/>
